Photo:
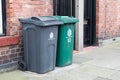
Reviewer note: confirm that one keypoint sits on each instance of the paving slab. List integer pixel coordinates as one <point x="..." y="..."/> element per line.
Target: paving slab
<point x="95" y="70"/>
<point x="115" y="76"/>
<point x="79" y="59"/>
<point x="114" y="45"/>
<point x="14" y="75"/>
<point x="102" y="57"/>
<point x="101" y="78"/>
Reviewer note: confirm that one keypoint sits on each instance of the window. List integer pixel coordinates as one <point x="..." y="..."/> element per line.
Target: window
<point x="2" y="17"/>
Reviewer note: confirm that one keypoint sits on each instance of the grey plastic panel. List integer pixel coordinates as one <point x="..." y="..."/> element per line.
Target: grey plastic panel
<point x="40" y="47"/>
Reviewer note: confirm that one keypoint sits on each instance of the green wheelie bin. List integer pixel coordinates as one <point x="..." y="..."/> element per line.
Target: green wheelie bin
<point x="65" y="41"/>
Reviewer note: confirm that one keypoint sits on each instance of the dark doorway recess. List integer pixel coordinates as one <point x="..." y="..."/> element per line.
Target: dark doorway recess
<point x="64" y="7"/>
<point x="67" y="8"/>
<point x="89" y="22"/>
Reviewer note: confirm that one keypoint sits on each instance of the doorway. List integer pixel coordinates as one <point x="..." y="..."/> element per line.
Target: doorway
<point x="69" y="7"/>
<point x="64" y="7"/>
<point x="89" y="22"/>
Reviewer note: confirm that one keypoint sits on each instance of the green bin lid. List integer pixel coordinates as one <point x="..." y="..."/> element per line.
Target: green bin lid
<point x="66" y="19"/>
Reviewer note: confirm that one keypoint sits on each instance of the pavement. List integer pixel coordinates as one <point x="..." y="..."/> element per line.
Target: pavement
<point x="97" y="64"/>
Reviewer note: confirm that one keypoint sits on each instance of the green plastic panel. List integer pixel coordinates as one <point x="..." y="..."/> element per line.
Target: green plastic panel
<point x="65" y="45"/>
<point x="65" y="41"/>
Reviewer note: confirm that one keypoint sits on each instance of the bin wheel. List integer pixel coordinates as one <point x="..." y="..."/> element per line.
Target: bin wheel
<point x="22" y="65"/>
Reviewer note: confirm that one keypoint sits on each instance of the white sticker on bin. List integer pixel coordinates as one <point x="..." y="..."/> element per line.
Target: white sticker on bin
<point x="69" y="35"/>
<point x="51" y="36"/>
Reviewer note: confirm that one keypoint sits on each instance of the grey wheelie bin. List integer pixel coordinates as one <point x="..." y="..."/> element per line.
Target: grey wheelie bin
<point x="40" y="42"/>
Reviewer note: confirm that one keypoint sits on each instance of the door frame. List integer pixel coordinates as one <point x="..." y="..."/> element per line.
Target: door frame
<point x="79" y="33"/>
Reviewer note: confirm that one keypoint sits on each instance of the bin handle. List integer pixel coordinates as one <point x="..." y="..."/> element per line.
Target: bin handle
<point x="35" y="18"/>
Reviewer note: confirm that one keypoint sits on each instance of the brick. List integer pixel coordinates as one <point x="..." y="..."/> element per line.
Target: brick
<point x="1" y="62"/>
<point x="3" y="52"/>
<point x="7" y="51"/>
<point x="18" y="50"/>
<point x="13" y="51"/>
<point x="13" y="56"/>
<point x="5" y="57"/>
<point x="6" y="61"/>
<point x="20" y="54"/>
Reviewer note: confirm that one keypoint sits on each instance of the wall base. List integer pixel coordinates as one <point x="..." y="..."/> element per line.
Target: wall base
<point x="108" y="41"/>
<point x="8" y="67"/>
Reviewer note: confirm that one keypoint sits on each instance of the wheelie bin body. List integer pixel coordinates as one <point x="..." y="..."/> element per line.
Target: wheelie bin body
<point x="65" y="41"/>
<point x="40" y="42"/>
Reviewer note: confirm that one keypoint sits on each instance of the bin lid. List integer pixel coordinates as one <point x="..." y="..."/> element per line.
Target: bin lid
<point x="66" y="19"/>
<point x="41" y="21"/>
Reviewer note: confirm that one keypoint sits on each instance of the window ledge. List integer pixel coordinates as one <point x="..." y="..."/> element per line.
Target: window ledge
<point x="8" y="40"/>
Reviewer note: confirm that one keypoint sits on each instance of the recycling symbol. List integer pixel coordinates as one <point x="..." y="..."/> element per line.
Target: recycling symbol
<point x="69" y="33"/>
<point x="51" y="35"/>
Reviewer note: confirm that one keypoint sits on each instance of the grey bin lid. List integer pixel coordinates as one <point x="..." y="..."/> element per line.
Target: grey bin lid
<point x="41" y="21"/>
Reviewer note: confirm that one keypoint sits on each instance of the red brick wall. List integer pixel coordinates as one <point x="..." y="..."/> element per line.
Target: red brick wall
<point x="11" y="47"/>
<point x="108" y="19"/>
